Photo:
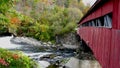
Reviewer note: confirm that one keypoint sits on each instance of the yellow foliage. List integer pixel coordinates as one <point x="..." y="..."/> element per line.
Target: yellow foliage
<point x="12" y="28"/>
<point x="43" y="28"/>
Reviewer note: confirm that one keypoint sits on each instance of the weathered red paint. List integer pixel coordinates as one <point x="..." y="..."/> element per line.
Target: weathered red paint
<point x="115" y="49"/>
<point x="104" y="42"/>
<point x="116" y="15"/>
<point x="99" y="40"/>
<point x="98" y="12"/>
<point x="107" y="7"/>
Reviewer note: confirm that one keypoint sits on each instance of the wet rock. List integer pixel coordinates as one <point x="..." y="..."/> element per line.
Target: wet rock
<point x="68" y="39"/>
<point x="43" y="64"/>
<point x="85" y="56"/>
<point x="25" y="41"/>
<point x="53" y="66"/>
<point x="70" y="46"/>
<point x="76" y="63"/>
<point x="49" y="56"/>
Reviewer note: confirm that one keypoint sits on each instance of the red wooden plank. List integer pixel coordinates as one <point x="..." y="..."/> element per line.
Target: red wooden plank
<point x="99" y="41"/>
<point x="107" y="45"/>
<point x="107" y="8"/>
<point x="115" y="49"/>
<point x="118" y="16"/>
<point x="89" y="17"/>
<point x="94" y="42"/>
<point x="115" y="14"/>
<point x="98" y="12"/>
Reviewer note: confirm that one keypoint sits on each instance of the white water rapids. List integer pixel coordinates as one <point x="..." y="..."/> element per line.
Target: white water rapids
<point x="72" y="63"/>
<point x="7" y="44"/>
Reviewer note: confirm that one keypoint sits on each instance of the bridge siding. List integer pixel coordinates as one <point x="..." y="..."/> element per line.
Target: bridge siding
<point x="104" y="42"/>
<point x="100" y="11"/>
<point x="116" y="14"/>
<point x="115" y="50"/>
<point x="99" y="40"/>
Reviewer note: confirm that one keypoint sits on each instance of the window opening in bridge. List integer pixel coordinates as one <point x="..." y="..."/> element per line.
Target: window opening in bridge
<point x="90" y="24"/>
<point x="107" y="21"/>
<point x="93" y="23"/>
<point x="104" y="21"/>
<point x="86" y="24"/>
<point x="83" y="24"/>
<point x="98" y="23"/>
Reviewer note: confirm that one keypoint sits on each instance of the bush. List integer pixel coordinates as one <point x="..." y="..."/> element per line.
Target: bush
<point x="10" y="59"/>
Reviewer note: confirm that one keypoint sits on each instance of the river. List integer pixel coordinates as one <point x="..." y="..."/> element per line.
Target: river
<point x="46" y="54"/>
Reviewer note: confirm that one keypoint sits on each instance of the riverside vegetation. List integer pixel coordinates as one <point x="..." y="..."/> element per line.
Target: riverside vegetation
<point x="10" y="59"/>
<point x="40" y="19"/>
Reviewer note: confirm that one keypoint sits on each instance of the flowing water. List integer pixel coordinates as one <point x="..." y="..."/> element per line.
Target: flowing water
<point x="5" y="43"/>
<point x="46" y="56"/>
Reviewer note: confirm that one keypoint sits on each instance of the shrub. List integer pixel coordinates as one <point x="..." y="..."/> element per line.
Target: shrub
<point x="10" y="59"/>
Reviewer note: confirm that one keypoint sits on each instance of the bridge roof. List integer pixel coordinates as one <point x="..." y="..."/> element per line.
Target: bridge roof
<point x="95" y="6"/>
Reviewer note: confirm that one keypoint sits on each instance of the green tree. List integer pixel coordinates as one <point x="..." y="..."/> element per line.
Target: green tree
<point x="5" y="5"/>
<point x="74" y="14"/>
<point x="50" y="17"/>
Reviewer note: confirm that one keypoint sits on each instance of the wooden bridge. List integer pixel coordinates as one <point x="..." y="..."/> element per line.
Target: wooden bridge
<point x="100" y="29"/>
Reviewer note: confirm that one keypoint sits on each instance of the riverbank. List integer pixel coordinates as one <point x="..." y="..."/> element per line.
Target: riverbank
<point x="77" y="63"/>
<point x="45" y="54"/>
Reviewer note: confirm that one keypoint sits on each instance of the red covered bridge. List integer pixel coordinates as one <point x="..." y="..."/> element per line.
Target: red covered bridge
<point x="100" y="29"/>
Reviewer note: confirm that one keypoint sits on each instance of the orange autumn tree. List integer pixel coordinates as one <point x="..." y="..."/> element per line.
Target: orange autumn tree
<point x="15" y="20"/>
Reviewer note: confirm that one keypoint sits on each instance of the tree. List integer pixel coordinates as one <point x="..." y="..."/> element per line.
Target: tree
<point x="67" y="3"/>
<point x="75" y="14"/>
<point x="5" y="5"/>
<point x="50" y="17"/>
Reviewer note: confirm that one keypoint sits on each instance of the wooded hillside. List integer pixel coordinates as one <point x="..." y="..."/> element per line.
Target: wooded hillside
<point x="40" y="19"/>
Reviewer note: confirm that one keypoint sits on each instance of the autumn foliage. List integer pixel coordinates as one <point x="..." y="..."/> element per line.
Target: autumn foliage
<point x="15" y="20"/>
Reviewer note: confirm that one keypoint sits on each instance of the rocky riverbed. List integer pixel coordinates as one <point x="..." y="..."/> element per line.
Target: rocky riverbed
<point x="44" y="53"/>
<point x="47" y="55"/>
